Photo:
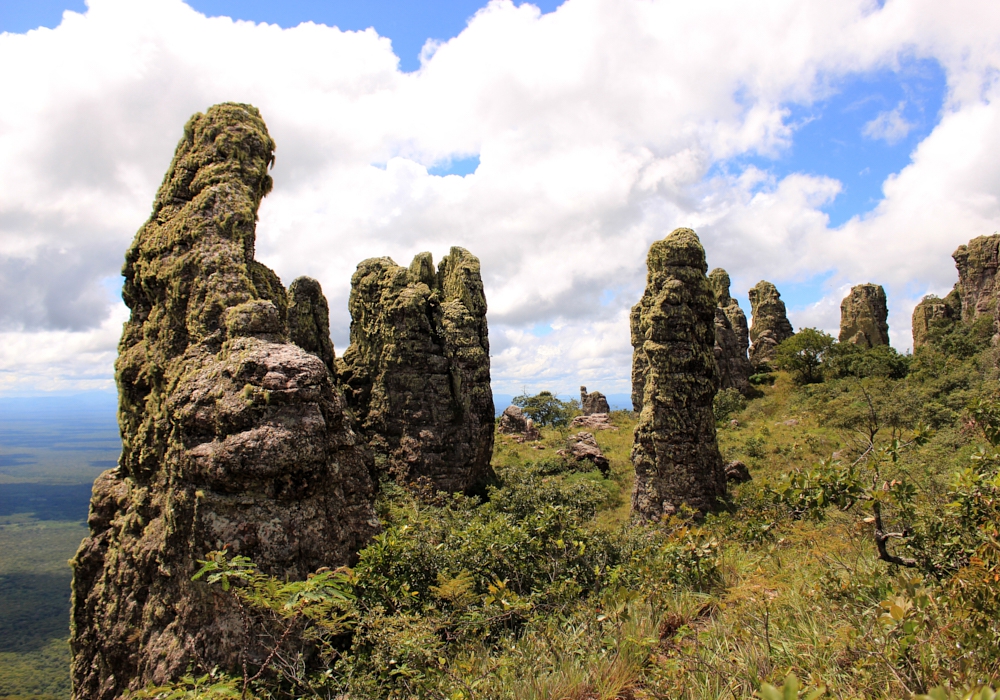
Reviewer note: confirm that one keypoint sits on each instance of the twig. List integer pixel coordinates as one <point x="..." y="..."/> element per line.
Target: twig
<point x="882" y="537"/>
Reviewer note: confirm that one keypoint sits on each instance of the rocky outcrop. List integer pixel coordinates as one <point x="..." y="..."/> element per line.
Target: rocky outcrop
<point x="675" y="378"/>
<point x="978" y="287"/>
<point x="417" y="372"/>
<point x="731" y="336"/>
<point x="770" y="323"/>
<point x="863" y="315"/>
<point x="231" y="435"/>
<point x="583" y="449"/>
<point x="594" y="402"/>
<point x="309" y="320"/>
<point x="514" y="422"/>
<point x="595" y="421"/>
<point x="933" y="311"/>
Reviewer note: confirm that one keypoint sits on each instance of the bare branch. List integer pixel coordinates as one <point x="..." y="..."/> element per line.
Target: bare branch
<point x="882" y="537"/>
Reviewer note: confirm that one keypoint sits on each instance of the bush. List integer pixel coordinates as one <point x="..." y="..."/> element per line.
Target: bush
<point x="547" y="410"/>
<point x="802" y="355"/>
<point x="726" y="403"/>
<point x="850" y="360"/>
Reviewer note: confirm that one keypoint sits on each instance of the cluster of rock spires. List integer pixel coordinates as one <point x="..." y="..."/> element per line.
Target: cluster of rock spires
<point x="235" y="428"/>
<point x="241" y="429"/>
<point x="975" y="295"/>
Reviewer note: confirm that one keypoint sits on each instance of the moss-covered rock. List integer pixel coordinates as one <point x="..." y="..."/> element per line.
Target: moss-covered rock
<point x="934" y="311"/>
<point x="309" y="319"/>
<point x="417" y="371"/>
<point x="978" y="287"/>
<point x="770" y="324"/>
<point x="594" y="402"/>
<point x="231" y="436"/>
<point x="732" y="338"/>
<point x="675" y="378"/>
<point x="863" y="315"/>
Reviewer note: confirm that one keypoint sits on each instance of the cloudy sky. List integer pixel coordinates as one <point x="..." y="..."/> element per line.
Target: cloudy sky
<point x="814" y="144"/>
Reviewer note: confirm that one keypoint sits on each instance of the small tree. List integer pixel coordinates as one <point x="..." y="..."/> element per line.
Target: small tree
<point x="803" y="355"/>
<point x="545" y="409"/>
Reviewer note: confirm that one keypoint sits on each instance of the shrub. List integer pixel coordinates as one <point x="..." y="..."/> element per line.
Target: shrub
<point x="547" y="410"/>
<point x="802" y="355"/>
<point x="726" y="403"/>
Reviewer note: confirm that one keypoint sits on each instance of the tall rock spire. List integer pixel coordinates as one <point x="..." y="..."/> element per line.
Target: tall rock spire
<point x="675" y="453"/>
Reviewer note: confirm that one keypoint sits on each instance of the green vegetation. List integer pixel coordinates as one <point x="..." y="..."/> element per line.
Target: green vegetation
<point x="547" y="410"/>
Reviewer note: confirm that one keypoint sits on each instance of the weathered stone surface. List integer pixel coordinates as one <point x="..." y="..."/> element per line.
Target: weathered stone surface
<point x="737" y="472"/>
<point x="770" y="322"/>
<point x="231" y="436"/>
<point x="931" y="311"/>
<point x="417" y="372"/>
<point x="594" y="402"/>
<point x="863" y="315"/>
<point x="309" y="319"/>
<point x="514" y="422"/>
<point x="675" y="378"/>
<point x="719" y="279"/>
<point x="978" y="287"/>
<point x="732" y="338"/>
<point x="582" y="447"/>
<point x="595" y="421"/>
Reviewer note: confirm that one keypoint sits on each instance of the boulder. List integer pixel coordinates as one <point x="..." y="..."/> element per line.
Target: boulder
<point x="232" y="436"/>
<point x="737" y="472"/>
<point x="514" y="422"/>
<point x="417" y="371"/>
<point x="595" y="421"/>
<point x="770" y="323"/>
<point x="594" y="402"/>
<point x="863" y="315"/>
<point x="582" y="447"/>
<point x="675" y="379"/>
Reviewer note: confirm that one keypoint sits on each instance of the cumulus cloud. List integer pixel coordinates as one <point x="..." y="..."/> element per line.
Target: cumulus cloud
<point x="889" y="126"/>
<point x="599" y="128"/>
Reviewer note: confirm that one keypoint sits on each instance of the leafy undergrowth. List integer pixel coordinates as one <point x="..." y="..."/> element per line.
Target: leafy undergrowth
<point x="862" y="561"/>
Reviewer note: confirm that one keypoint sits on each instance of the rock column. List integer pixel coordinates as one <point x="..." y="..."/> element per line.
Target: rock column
<point x="417" y="372"/>
<point x="675" y="453"/>
<point x="770" y="322"/>
<point x="863" y="315"/>
<point x="731" y="336"/>
<point x="232" y="437"/>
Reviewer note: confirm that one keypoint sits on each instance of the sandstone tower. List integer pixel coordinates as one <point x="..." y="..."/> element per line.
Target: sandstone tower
<point x="863" y="315"/>
<point x="674" y="381"/>
<point x="770" y="322"/>
<point x="417" y="372"/>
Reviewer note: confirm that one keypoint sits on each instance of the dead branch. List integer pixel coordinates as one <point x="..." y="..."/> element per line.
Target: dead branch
<point x="882" y="538"/>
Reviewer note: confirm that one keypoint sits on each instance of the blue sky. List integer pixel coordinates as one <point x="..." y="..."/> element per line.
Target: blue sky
<point x="816" y="145"/>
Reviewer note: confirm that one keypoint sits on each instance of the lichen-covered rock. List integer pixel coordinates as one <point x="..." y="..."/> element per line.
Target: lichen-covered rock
<point x="933" y="311"/>
<point x="978" y="287"/>
<point x="231" y="436"/>
<point x="309" y="320"/>
<point x="512" y="421"/>
<point x="863" y="315"/>
<point x="594" y="421"/>
<point x="737" y="472"/>
<point x="582" y="448"/>
<point x="594" y="402"/>
<point x="417" y="371"/>
<point x="731" y="336"/>
<point x="675" y="378"/>
<point x="770" y="322"/>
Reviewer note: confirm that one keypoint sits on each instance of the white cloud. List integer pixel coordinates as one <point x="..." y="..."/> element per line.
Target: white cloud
<point x="599" y="127"/>
<point x="890" y="126"/>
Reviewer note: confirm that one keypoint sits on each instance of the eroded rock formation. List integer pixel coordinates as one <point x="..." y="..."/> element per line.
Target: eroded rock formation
<point x="417" y="372"/>
<point x="583" y="449"/>
<point x="674" y="380"/>
<point x="594" y="402"/>
<point x="770" y="322"/>
<point x="514" y="422"/>
<point x="309" y="319"/>
<point x="863" y="315"/>
<point x="978" y="287"/>
<point x="731" y="336"/>
<point x="931" y="311"/>
<point x="231" y="435"/>
<point x="595" y="421"/>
